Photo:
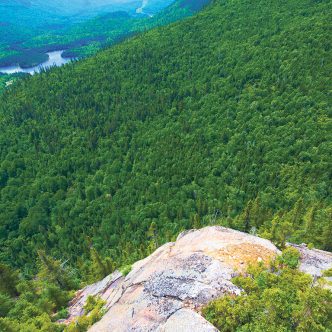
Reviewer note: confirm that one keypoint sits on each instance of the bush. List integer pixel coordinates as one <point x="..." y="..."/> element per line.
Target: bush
<point x="281" y="301"/>
<point x="290" y="257"/>
<point x="125" y="269"/>
<point x="93" y="312"/>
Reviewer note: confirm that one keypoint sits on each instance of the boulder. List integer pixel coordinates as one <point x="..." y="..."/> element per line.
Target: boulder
<point x="165" y="291"/>
<point x="313" y="261"/>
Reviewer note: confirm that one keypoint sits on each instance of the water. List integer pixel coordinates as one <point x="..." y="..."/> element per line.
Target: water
<point x="143" y="5"/>
<point x="140" y="10"/>
<point x="55" y="59"/>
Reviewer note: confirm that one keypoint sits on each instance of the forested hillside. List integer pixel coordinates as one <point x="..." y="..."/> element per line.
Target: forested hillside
<point x="222" y="118"/>
<point x="86" y="38"/>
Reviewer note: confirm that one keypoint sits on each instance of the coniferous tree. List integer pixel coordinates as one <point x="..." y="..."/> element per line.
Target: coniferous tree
<point x="8" y="280"/>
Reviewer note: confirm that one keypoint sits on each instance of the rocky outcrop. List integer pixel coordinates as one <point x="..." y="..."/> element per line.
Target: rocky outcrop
<point x="165" y="291"/>
<point x="314" y="262"/>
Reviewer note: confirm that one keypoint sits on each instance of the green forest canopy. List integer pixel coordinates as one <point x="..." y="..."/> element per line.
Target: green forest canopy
<point x="222" y="118"/>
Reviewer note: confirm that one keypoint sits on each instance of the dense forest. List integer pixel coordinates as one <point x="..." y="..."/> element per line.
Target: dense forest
<point x="223" y="118"/>
<point x="7" y="80"/>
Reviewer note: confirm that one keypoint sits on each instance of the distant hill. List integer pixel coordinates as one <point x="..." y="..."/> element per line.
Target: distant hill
<point x="73" y="7"/>
<point x="30" y="29"/>
<point x="89" y="7"/>
<point x="194" y="5"/>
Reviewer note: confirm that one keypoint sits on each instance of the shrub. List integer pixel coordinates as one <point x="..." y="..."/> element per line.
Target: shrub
<point x="281" y="301"/>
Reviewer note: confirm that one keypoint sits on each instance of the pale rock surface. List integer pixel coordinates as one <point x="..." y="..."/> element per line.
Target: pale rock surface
<point x="165" y="291"/>
<point x="313" y="261"/>
<point x="185" y="320"/>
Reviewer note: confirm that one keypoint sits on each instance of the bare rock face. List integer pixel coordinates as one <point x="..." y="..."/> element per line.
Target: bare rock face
<point x="165" y="291"/>
<point x="313" y="261"/>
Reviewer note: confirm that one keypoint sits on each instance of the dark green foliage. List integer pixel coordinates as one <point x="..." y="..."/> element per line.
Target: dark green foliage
<point x="284" y="300"/>
<point x="219" y="119"/>
<point x="5" y="82"/>
<point x="8" y="280"/>
<point x="6" y="303"/>
<point x="55" y="273"/>
<point x="184" y="126"/>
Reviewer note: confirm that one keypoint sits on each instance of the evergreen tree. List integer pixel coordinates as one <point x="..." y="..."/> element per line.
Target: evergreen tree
<point x="8" y="280"/>
<point x="54" y="272"/>
<point x="99" y="268"/>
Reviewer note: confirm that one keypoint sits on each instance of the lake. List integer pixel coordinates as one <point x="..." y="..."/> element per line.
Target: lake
<point x="55" y="59"/>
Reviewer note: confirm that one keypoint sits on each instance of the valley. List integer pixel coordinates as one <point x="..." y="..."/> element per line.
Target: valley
<point x="208" y="116"/>
<point x="27" y="41"/>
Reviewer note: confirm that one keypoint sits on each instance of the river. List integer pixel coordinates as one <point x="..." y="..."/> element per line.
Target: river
<point x="55" y="59"/>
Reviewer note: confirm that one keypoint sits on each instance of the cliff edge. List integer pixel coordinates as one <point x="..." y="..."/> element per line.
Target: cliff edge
<point x="165" y="291"/>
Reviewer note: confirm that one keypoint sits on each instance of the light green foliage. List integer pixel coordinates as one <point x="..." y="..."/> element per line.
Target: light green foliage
<point x="328" y="273"/>
<point x="41" y="323"/>
<point x="290" y="258"/>
<point x="99" y="268"/>
<point x="93" y="312"/>
<point x="152" y="235"/>
<point x="282" y="300"/>
<point x="92" y="303"/>
<point x="125" y="269"/>
<point x="36" y="302"/>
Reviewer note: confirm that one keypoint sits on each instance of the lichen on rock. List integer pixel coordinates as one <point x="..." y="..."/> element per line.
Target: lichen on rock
<point x="165" y="291"/>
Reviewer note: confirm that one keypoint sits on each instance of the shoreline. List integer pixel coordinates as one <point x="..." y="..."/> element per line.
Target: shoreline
<point x="55" y="58"/>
